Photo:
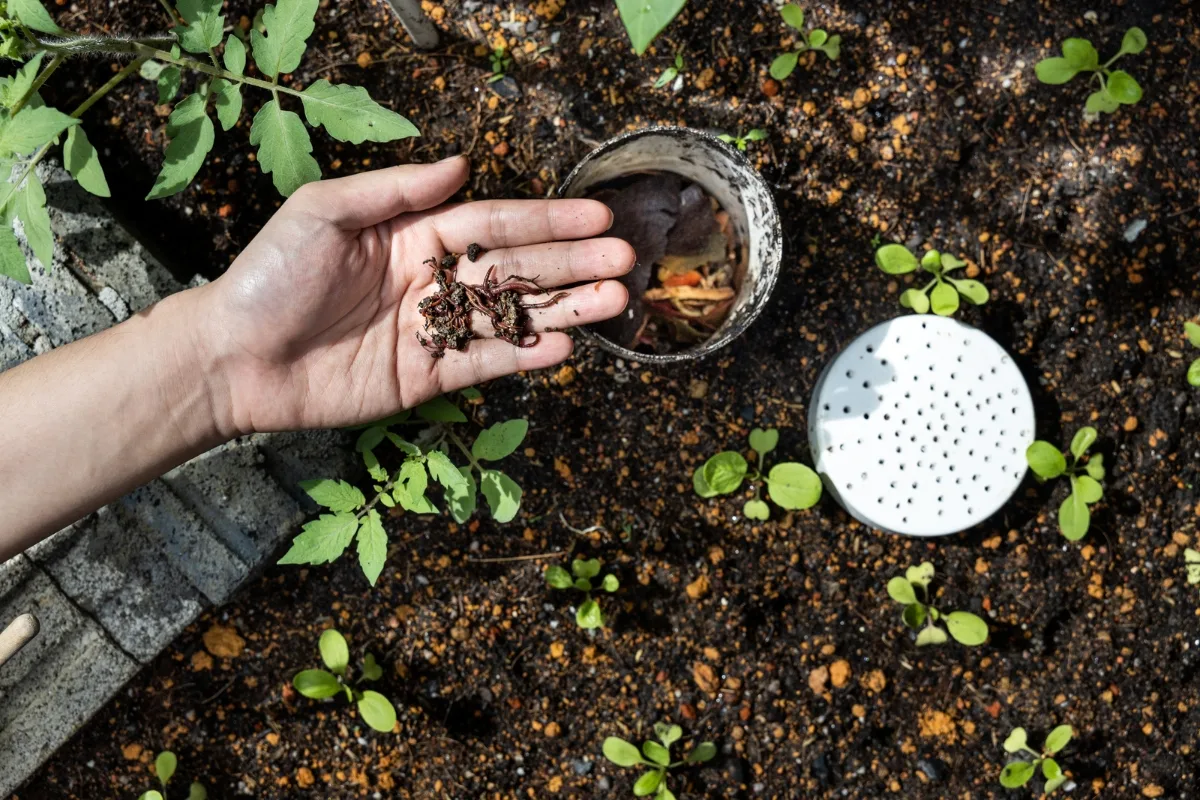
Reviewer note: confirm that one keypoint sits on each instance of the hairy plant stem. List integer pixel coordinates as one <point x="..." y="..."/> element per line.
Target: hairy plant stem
<point x="37" y="84"/>
<point x="387" y="488"/>
<point x="466" y="451"/>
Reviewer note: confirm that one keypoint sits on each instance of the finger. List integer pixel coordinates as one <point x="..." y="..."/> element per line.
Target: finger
<point x="512" y="223"/>
<point x="592" y="302"/>
<point x="554" y="264"/>
<point x="360" y="201"/>
<point x="488" y="359"/>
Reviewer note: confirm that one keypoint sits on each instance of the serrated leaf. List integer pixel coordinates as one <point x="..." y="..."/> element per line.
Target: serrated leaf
<point x="645" y="19"/>
<point x="169" y="81"/>
<point x="1123" y="88"/>
<point x="1016" y="774"/>
<point x="374" y="469"/>
<point x="334" y="495"/>
<point x="784" y="65"/>
<point x="794" y="486"/>
<point x="192" y="136"/>
<point x="943" y="300"/>
<point x="503" y="495"/>
<point x="284" y="148"/>
<point x="900" y="590"/>
<point x="1074" y="517"/>
<point x="288" y="23"/>
<point x="164" y="766"/>
<point x="916" y="300"/>
<point x="763" y="441"/>
<point x="377" y="711"/>
<point x="558" y="578"/>
<point x="334" y="651"/>
<point x="931" y="636"/>
<point x="499" y="440"/>
<point x="31" y="128"/>
<point x="439" y="409"/>
<point x="16" y="87"/>
<point x="227" y="97"/>
<point x="12" y="258"/>
<point x="966" y="628"/>
<point x="1016" y="741"/>
<point x="1046" y="460"/>
<point x="29" y="206"/>
<point x="411" y="483"/>
<point x="895" y="259"/>
<point x="408" y="448"/>
<point x="1055" y="71"/>
<point x="33" y="15"/>
<point x="442" y="470"/>
<point x="204" y="25"/>
<point x="83" y="162"/>
<point x="372" y="545"/>
<point x="322" y="540"/>
<point x="621" y="752"/>
<point x="589" y="616"/>
<point x="316" y="684"/>
<point x="462" y="499"/>
<point x="350" y="115"/>
<point x="1058" y="738"/>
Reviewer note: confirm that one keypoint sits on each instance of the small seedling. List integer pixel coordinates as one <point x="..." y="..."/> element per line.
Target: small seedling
<point x="965" y="627"/>
<point x="670" y="73"/>
<point x="1017" y="773"/>
<point x="657" y="757"/>
<point x="1048" y="462"/>
<point x="941" y="293"/>
<point x="1193" y="335"/>
<point x="164" y="768"/>
<point x="317" y="684"/>
<point x="816" y="39"/>
<point x="740" y="142"/>
<point x="1192" y="559"/>
<point x="1117" y="87"/>
<point x="501" y="63"/>
<point x="589" y="615"/>
<point x="792" y="486"/>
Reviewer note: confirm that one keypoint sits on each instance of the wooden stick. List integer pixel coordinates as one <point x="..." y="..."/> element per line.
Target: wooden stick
<point x="18" y="634"/>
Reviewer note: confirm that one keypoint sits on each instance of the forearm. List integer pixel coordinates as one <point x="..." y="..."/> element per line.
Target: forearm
<point x="90" y="421"/>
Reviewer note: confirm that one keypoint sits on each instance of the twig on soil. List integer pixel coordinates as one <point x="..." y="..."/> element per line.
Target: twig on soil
<point x="583" y="531"/>
<point x="1067" y="133"/>
<point x="515" y="558"/>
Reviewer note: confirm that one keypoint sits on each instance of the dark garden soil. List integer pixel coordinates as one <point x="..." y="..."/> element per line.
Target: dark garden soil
<point x="776" y="640"/>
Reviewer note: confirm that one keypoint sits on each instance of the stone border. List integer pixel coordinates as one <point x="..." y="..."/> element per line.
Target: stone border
<point x="114" y="589"/>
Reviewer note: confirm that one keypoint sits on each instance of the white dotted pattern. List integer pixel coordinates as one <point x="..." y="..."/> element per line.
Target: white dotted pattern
<point x="920" y="426"/>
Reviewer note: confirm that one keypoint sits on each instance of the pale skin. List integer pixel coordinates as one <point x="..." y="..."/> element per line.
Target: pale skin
<point x="313" y="326"/>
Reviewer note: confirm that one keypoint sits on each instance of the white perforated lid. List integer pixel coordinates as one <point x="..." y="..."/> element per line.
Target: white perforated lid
<point x="920" y="426"/>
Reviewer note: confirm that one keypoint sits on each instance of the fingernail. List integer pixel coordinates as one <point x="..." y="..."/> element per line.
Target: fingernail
<point x="450" y="158"/>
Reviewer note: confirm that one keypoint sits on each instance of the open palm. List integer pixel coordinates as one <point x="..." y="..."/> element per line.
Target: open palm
<point x="316" y="322"/>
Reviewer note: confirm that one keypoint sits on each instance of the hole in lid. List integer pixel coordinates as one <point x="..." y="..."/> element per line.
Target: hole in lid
<point x="866" y="384"/>
<point x="868" y="416"/>
<point x="905" y="519"/>
<point x="864" y="476"/>
<point x="883" y="361"/>
<point x="827" y="406"/>
<point x="881" y="501"/>
<point x="870" y="348"/>
<point x="939" y="512"/>
<point x="849" y="486"/>
<point x="849" y="373"/>
<point x="887" y="416"/>
<point x="845" y="409"/>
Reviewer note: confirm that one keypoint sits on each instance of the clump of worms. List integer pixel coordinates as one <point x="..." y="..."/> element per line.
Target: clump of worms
<point x="448" y="311"/>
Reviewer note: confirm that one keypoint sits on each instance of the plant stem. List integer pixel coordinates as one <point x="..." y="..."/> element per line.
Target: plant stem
<point x="37" y="84"/>
<point x="387" y="488"/>
<point x="216" y="72"/>
<point x="466" y="452"/>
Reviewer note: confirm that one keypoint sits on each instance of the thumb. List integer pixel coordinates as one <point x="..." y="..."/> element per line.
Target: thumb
<point x="360" y="201"/>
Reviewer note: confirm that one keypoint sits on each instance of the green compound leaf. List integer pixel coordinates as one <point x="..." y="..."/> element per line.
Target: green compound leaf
<point x="916" y="300"/>
<point x="645" y="19"/>
<point x="499" y="440"/>
<point x="371" y="671"/>
<point x="1046" y="460"/>
<point x="1123" y="88"/>
<point x="204" y="25"/>
<point x="12" y="259"/>
<point x="1016" y="741"/>
<point x="1058" y="738"/>
<point x="558" y="578"/>
<point x="169" y="81"/>
<point x="164" y="766"/>
<point x="701" y="753"/>
<point x="31" y="128"/>
<point x="334" y="495"/>
<point x="334" y="651"/>
<point x="235" y="55"/>
<point x="1101" y="102"/>
<point x="442" y="470"/>
<point x="900" y="590"/>
<point x="503" y="495"/>
<point x="322" y="540"/>
<point x="29" y="204"/>
<point x="33" y="15"/>
<point x="462" y="499"/>
<point x="1074" y="516"/>
<point x="1095" y="467"/>
<point x="896" y="259"/>
<point x="192" y="136"/>
<point x="966" y="628"/>
<point x="408" y="448"/>
<point x="284" y="149"/>
<point x="914" y="616"/>
<point x="920" y="574"/>
<point x="1016" y="774"/>
<point x="1193" y="373"/>
<point x="931" y="636"/>
<point x="648" y="783"/>
<point x="944" y="299"/>
<point x="372" y="545"/>
<point x="1055" y="71"/>
<point x="757" y="509"/>
<point x="723" y="473"/>
<point x="589" y="616"/>
<point x="411" y="483"/>
<point x="369" y="439"/>
<point x="13" y="89"/>
<point x="288" y="25"/>
<point x="82" y="161"/>
<point x="1084" y="438"/>
<point x="621" y="752"/>
<point x="975" y="292"/>
<point x="793" y="15"/>
<point x="784" y="65"/>
<point x="1080" y="54"/>
<point x="1088" y="489"/>
<point x="228" y="100"/>
<point x="794" y="486"/>
<point x="350" y="115"/>
<point x="316" y="684"/>
<point x="377" y="711"/>
<point x="656" y="753"/>
<point x="763" y="441"/>
<point x="439" y="409"/>
<point x="1133" y="42"/>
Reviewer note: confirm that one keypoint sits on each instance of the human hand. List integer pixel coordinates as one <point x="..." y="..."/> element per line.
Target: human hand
<point x="315" y="324"/>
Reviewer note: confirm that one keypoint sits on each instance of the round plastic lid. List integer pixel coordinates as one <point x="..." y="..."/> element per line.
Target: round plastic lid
<point x="920" y="426"/>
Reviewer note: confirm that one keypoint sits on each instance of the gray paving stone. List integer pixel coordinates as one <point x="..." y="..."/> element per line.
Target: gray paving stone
<point x="301" y="455"/>
<point x="58" y="305"/>
<point x="114" y="567"/>
<point x="12" y="350"/>
<point x="71" y="684"/>
<point x="25" y="589"/>
<point x="190" y="545"/>
<point x="230" y="488"/>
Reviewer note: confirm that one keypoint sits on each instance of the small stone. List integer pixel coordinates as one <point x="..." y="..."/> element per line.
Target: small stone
<point x="839" y="672"/>
<point x="1131" y="424"/>
<point x="934" y="768"/>
<point x="858" y="131"/>
<point x="697" y="389"/>
<point x="817" y="679"/>
<point x="565" y="375"/>
<point x="223" y="642"/>
<point x="552" y="730"/>
<point x="364" y="59"/>
<point x="705" y="678"/>
<point x="698" y="588"/>
<point x="770" y="87"/>
<point x="201" y="661"/>
<point x="304" y="777"/>
<point x="501" y="149"/>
